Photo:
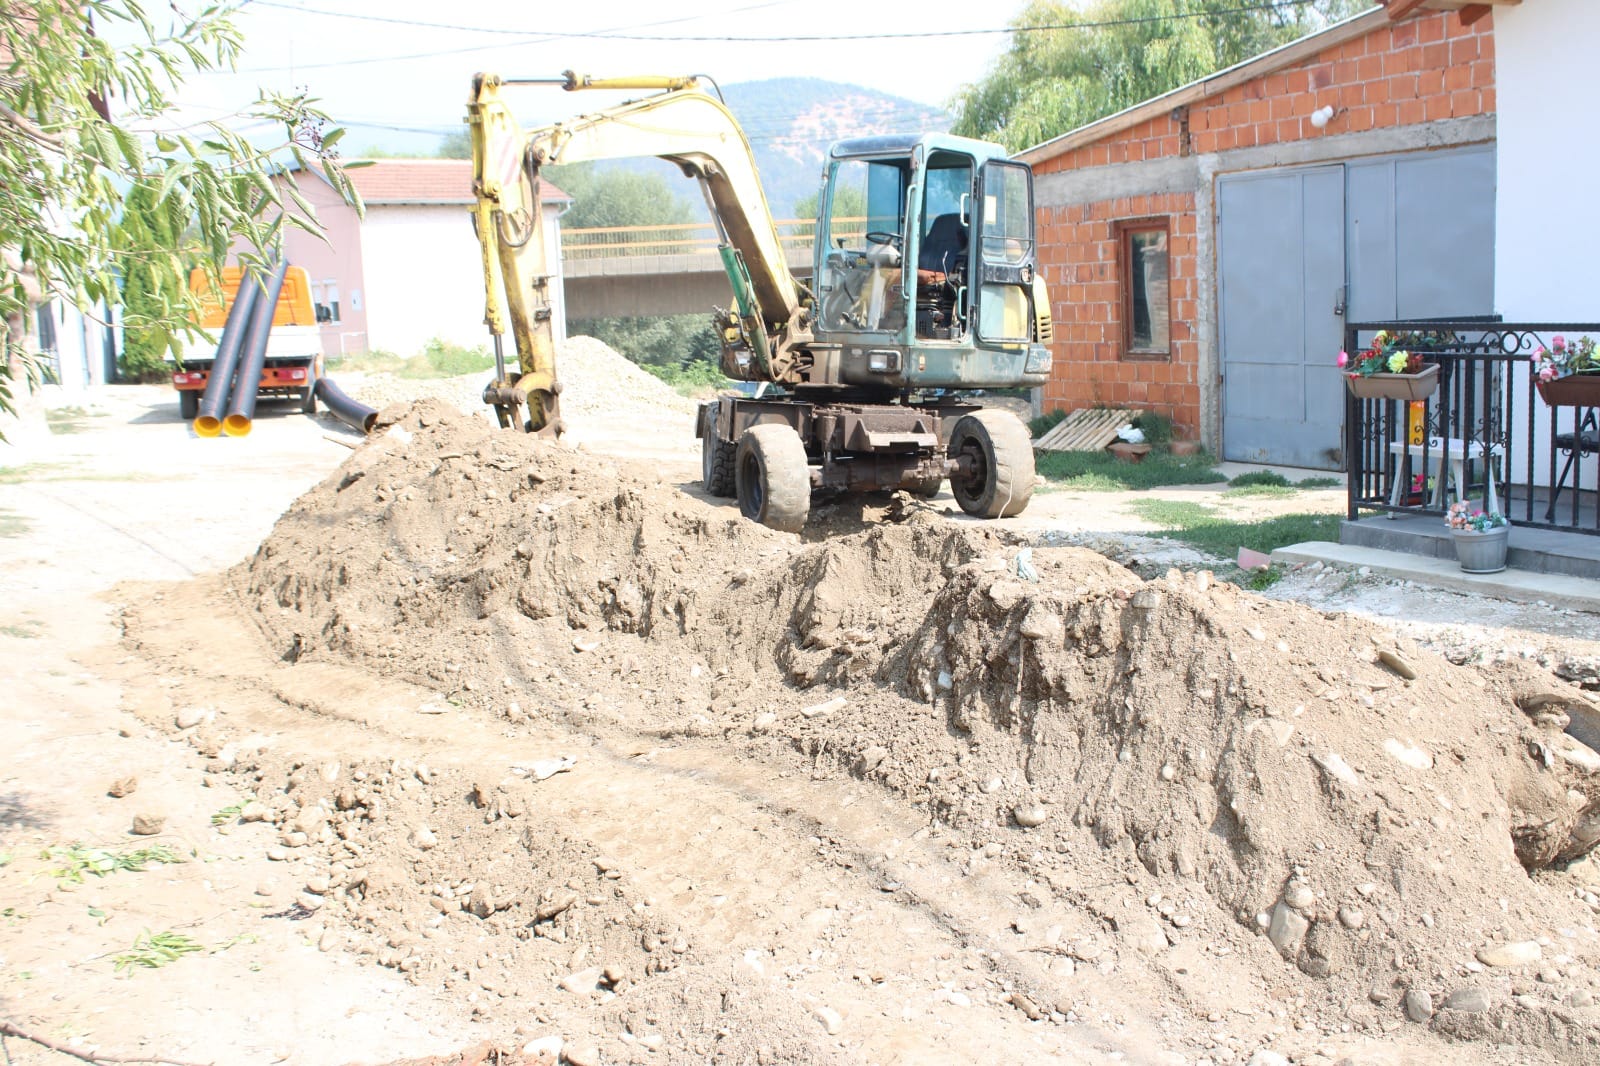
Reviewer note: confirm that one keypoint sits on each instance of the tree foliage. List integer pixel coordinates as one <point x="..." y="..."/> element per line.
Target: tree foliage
<point x="614" y="196"/>
<point x="457" y="145"/>
<point x="1051" y="81"/>
<point x="148" y="229"/>
<point x="87" y="88"/>
<point x="661" y="341"/>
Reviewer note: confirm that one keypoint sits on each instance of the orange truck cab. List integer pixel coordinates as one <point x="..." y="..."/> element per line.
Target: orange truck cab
<point x="294" y="348"/>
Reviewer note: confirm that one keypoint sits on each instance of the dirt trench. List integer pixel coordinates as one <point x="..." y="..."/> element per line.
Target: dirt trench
<point x="824" y="797"/>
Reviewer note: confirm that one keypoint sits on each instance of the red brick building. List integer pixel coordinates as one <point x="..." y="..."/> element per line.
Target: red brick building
<point x="1360" y="158"/>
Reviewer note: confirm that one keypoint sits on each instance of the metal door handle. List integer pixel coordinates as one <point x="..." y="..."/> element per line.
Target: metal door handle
<point x="1338" y="300"/>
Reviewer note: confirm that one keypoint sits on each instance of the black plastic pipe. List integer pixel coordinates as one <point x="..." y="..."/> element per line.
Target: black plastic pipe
<point x="344" y="408"/>
<point x="253" y="356"/>
<point x="208" y="419"/>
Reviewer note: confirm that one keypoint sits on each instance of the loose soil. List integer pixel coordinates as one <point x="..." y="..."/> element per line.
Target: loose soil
<point x="539" y="752"/>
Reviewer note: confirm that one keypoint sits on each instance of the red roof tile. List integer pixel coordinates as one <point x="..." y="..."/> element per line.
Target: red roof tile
<point x="422" y="181"/>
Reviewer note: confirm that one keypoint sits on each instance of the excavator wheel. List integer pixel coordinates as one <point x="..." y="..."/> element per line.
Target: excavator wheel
<point x="999" y="464"/>
<point x="772" y="477"/>
<point x="716" y="463"/>
<point x="927" y="487"/>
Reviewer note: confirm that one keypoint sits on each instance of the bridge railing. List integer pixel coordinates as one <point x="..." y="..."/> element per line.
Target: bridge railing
<point x="687" y="238"/>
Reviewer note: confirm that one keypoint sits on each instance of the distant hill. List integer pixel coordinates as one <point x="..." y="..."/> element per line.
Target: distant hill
<point x="790" y="122"/>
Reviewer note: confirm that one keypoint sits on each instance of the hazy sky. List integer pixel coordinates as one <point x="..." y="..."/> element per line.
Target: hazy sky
<point x="384" y="78"/>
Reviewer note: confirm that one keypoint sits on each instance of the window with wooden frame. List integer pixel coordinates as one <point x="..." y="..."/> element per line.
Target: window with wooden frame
<point x="1144" y="270"/>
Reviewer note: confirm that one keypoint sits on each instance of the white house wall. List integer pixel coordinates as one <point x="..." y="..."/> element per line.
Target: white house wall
<point x="424" y="276"/>
<point x="1546" y="230"/>
<point x="1549" y="151"/>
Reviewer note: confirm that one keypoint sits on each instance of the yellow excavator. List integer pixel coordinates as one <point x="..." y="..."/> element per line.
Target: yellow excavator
<point x="924" y="287"/>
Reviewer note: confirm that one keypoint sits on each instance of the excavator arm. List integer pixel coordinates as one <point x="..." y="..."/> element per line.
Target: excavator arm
<point x="769" y="321"/>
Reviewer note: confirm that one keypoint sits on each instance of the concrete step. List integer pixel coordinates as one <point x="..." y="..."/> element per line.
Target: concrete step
<point x="1522" y="586"/>
<point x="1538" y="550"/>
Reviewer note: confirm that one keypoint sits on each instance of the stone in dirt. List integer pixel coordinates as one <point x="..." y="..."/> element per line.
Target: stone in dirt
<point x="1287" y="928"/>
<point x="148" y="825"/>
<point x="1419" y="1005"/>
<point x="1469" y="999"/>
<point x="1519" y="953"/>
<point x="123" y="786"/>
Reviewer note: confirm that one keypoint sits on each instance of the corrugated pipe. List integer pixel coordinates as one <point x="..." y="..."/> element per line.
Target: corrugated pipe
<point x="344" y="408"/>
<point x="253" y="356"/>
<point x="208" y="420"/>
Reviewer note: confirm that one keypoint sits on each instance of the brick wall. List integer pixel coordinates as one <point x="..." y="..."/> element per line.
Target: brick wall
<point x="1422" y="70"/>
<point x="1079" y="253"/>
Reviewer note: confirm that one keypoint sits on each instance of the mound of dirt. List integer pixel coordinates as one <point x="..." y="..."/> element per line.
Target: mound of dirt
<point x="1203" y="769"/>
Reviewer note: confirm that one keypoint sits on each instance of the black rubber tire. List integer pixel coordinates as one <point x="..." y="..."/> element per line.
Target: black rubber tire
<point x="927" y="487"/>
<point x="1001" y="458"/>
<point x="188" y="404"/>
<point x="308" y="401"/>
<point x="772" y="478"/>
<point x="716" y="462"/>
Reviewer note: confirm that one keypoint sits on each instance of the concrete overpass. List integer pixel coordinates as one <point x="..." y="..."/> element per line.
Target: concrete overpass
<point x="647" y="271"/>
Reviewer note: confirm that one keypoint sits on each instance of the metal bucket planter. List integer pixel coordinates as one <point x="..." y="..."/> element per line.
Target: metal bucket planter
<point x="1482" y="553"/>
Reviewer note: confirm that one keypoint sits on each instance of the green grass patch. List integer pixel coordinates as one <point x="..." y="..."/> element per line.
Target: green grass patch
<point x="1262" y="478"/>
<point x="1260" y="491"/>
<point x="30" y="473"/>
<point x="438" y="359"/>
<point x="1104" y="472"/>
<point x="12" y="524"/>
<point x="68" y="419"/>
<point x="154" y="950"/>
<point x="1207" y="530"/>
<point x="227" y="814"/>
<point x="76" y="861"/>
<point x="1038" y="427"/>
<point x="690" y="379"/>
<point x="1272" y="483"/>
<point x="23" y="630"/>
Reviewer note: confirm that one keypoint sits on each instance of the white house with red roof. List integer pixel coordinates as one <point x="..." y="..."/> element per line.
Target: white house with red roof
<point x="410" y="271"/>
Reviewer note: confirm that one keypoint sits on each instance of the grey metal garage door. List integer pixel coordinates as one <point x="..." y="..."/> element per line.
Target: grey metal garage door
<point x="1408" y="236"/>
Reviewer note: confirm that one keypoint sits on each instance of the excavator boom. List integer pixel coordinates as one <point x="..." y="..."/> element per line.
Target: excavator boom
<point x="681" y="124"/>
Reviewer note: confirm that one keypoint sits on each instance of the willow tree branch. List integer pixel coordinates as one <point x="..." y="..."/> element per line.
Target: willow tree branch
<point x="26" y="127"/>
<point x="11" y="1029"/>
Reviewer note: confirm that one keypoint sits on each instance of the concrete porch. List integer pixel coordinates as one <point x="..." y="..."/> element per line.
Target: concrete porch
<point x="1549" y="566"/>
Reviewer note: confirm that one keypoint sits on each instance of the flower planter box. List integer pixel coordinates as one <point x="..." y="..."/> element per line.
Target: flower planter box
<point x="1418" y="386"/>
<point x="1482" y="553"/>
<point x="1574" y="390"/>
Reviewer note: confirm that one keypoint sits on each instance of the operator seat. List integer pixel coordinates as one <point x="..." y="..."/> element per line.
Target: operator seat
<point x="944" y="249"/>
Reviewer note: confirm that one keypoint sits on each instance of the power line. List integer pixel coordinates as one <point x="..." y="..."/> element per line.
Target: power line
<point x="420" y="24"/>
<point x="531" y="37"/>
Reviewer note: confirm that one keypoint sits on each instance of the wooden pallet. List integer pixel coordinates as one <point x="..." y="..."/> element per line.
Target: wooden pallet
<point x="1088" y="430"/>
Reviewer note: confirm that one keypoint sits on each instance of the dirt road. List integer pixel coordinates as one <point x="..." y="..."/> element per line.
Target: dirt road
<point x="431" y="789"/>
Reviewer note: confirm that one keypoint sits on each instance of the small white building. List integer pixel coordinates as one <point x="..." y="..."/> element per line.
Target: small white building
<point x="411" y="270"/>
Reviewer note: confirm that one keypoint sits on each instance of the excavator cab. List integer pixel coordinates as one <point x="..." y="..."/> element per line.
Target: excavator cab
<point x="907" y="224"/>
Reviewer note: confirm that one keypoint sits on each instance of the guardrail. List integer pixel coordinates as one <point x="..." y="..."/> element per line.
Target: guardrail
<point x="1484" y="434"/>
<point x="687" y="238"/>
